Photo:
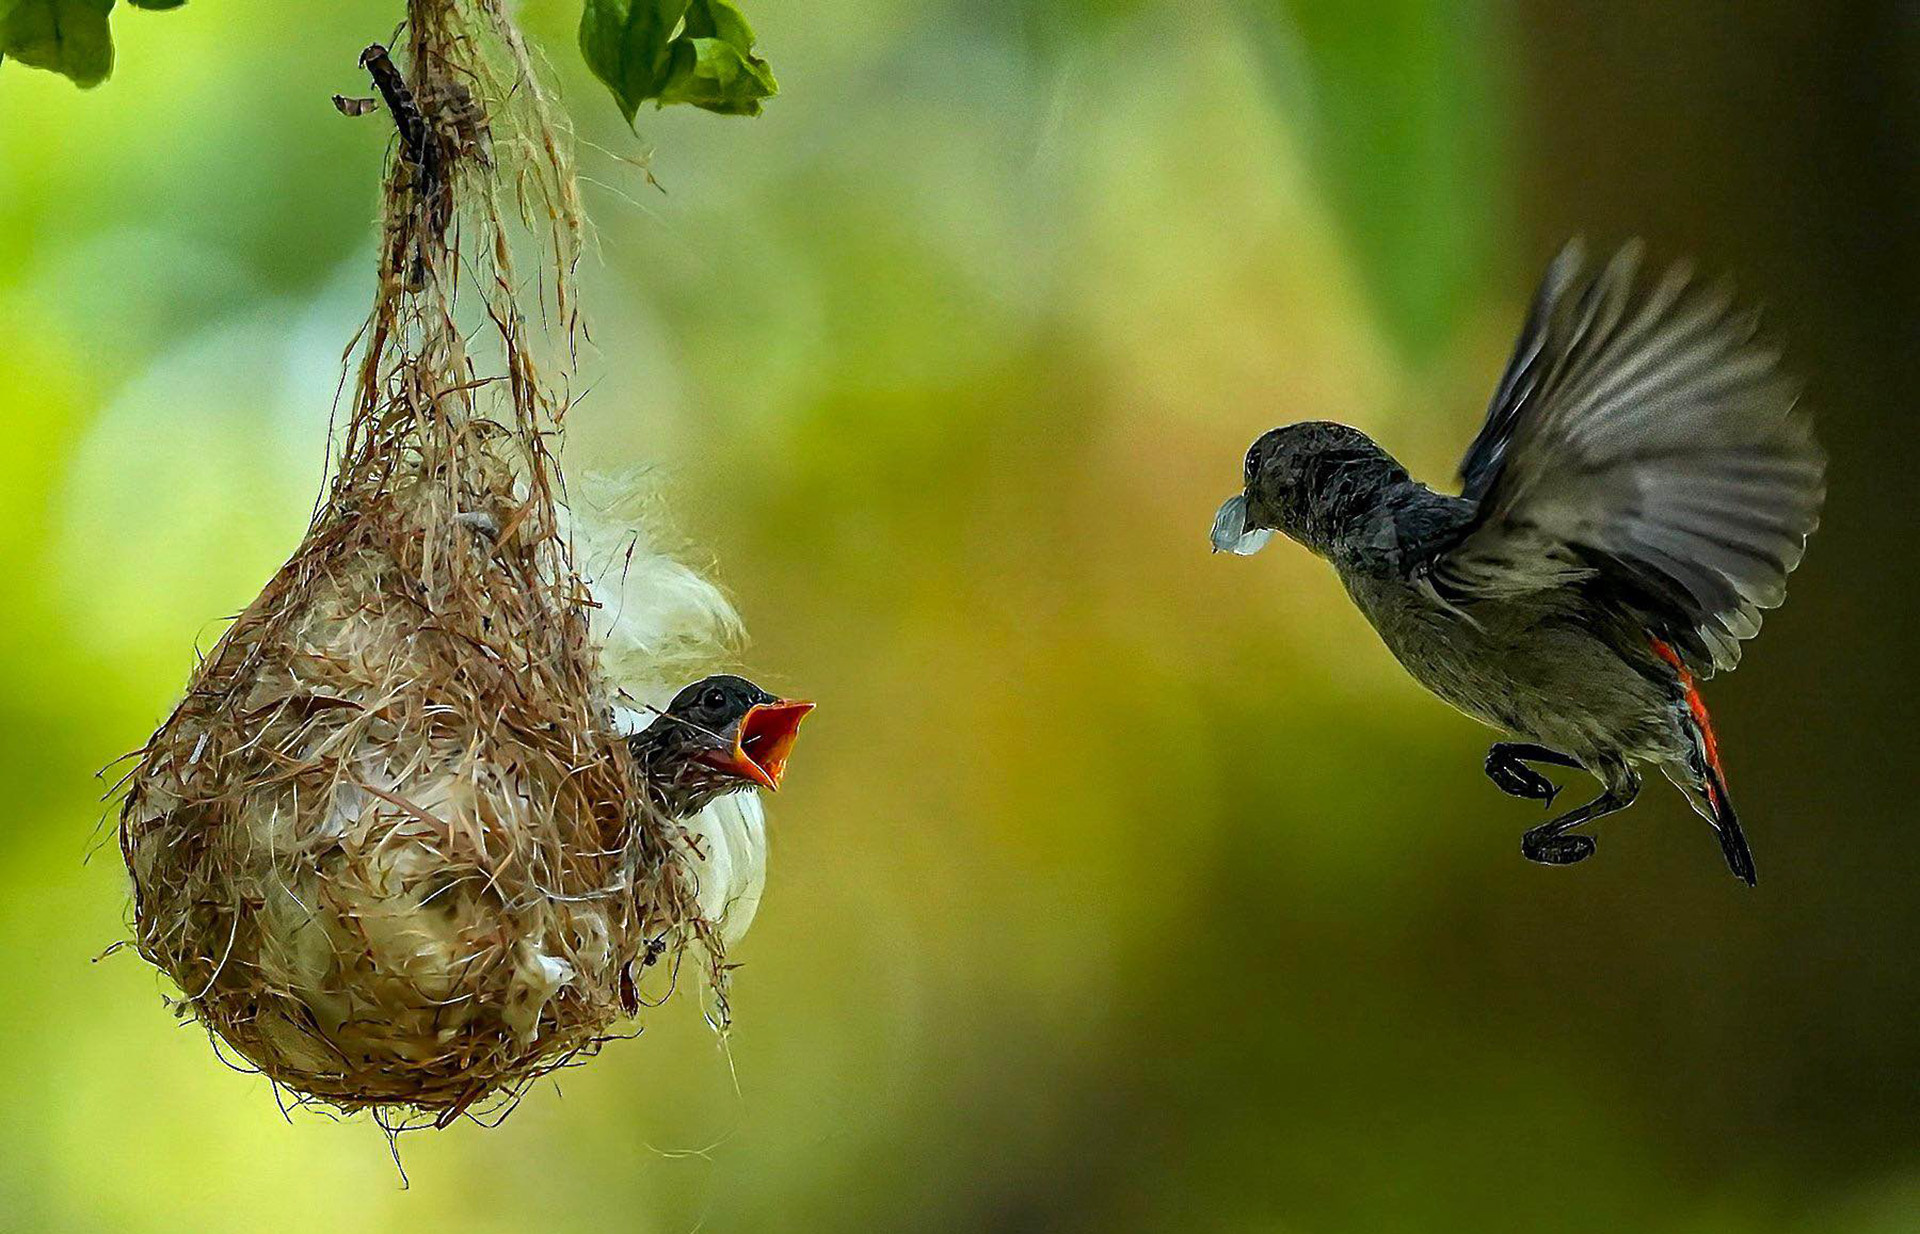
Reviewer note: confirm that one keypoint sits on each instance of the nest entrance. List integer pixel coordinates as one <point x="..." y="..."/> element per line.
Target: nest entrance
<point x="388" y="844"/>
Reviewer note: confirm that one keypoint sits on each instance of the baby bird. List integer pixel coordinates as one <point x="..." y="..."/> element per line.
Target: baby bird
<point x="1639" y="492"/>
<point x="720" y="735"/>
<point x="718" y="738"/>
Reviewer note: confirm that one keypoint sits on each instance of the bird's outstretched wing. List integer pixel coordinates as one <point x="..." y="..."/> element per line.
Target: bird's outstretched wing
<point x="1641" y="440"/>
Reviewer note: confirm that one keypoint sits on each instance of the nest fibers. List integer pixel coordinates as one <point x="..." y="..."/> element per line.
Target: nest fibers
<point x="388" y="844"/>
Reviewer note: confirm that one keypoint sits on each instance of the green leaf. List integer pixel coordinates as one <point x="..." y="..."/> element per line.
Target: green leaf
<point x="719" y="19"/>
<point x="625" y="44"/>
<point x="66" y="36"/>
<point x="675" y="51"/>
<point x="69" y="37"/>
<point x="715" y="75"/>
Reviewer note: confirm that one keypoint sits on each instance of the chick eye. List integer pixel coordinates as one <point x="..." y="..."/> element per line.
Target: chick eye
<point x="713" y="699"/>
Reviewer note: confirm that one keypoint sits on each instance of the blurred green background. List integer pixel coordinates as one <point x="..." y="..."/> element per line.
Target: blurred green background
<point x="1117" y="886"/>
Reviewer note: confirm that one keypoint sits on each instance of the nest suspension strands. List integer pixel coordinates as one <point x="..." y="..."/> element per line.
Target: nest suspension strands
<point x="388" y="844"/>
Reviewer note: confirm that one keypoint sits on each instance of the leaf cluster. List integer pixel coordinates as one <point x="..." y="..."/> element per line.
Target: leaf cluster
<point x="675" y="51"/>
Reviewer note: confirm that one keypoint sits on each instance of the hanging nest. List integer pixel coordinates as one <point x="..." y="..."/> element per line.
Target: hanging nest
<point x="388" y="846"/>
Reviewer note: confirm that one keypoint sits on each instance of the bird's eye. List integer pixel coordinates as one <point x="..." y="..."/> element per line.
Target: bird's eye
<point x="1253" y="465"/>
<point x="714" y="699"/>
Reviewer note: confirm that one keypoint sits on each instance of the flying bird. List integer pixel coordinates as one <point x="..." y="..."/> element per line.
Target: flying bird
<point x="1639" y="492"/>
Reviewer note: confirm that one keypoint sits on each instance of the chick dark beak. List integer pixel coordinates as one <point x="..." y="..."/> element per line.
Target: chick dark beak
<point x="763" y="741"/>
<point x="1231" y="533"/>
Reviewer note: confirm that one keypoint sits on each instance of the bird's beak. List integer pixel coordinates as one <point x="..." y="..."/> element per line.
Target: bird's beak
<point x="765" y="738"/>
<point x="1231" y="534"/>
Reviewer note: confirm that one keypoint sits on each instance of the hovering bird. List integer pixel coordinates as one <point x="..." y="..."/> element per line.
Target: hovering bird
<point x="1639" y="492"/>
<point x="721" y="735"/>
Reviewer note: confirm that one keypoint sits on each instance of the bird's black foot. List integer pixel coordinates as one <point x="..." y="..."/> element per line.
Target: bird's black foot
<point x="1555" y="844"/>
<point x="1516" y="779"/>
<point x="1507" y="768"/>
<point x="1556" y="850"/>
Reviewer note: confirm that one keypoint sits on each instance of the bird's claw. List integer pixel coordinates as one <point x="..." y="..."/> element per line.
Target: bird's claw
<point x="1516" y="779"/>
<point x="1556" y="850"/>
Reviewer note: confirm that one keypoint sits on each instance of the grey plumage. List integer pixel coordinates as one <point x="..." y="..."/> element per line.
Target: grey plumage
<point x="1639" y="492"/>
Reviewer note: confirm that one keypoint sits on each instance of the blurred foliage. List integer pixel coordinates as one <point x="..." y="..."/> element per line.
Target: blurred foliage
<point x="1115" y="886"/>
<point x="1396" y="96"/>
<point x="1391" y="102"/>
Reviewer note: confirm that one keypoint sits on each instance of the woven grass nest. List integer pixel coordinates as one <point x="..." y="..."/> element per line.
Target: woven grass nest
<point x="388" y="845"/>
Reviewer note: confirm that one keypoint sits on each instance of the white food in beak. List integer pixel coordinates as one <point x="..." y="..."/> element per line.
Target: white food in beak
<point x="1231" y="533"/>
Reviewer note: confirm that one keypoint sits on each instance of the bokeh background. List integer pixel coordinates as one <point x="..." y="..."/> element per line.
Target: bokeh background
<point x="1116" y="886"/>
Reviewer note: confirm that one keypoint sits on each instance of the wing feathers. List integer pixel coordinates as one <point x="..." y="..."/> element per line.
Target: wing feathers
<point x="1644" y="428"/>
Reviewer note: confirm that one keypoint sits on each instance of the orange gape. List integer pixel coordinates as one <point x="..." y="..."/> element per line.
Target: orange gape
<point x="1701" y="721"/>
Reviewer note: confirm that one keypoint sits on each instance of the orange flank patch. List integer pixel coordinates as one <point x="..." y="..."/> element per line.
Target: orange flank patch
<point x="1701" y="721"/>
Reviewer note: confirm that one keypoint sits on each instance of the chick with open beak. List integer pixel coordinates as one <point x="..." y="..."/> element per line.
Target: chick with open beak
<point x="720" y="735"/>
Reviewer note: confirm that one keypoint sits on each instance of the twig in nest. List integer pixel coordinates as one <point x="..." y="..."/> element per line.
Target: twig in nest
<point x="400" y="101"/>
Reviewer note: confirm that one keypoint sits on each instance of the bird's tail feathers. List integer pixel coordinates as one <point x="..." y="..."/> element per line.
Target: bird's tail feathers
<point x="1706" y="792"/>
<point x="1720" y="812"/>
<point x="1705" y="779"/>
